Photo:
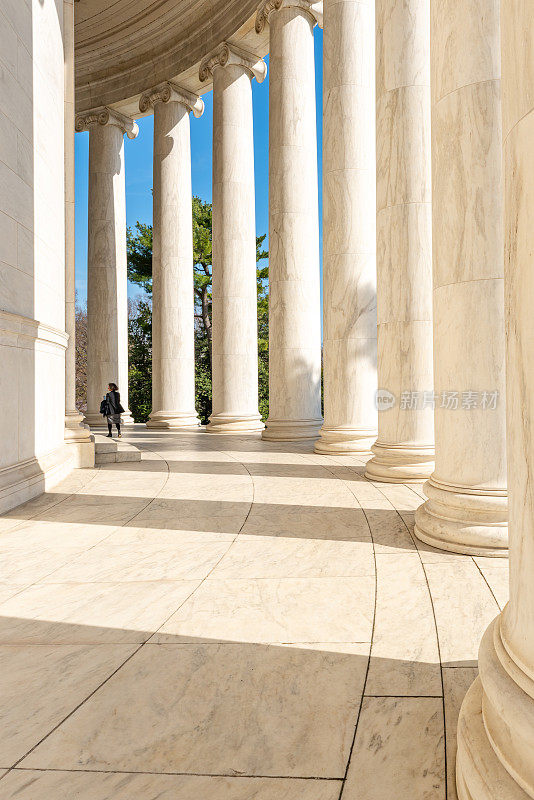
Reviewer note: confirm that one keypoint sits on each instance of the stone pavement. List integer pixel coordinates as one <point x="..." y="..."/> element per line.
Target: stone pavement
<point x="232" y="619"/>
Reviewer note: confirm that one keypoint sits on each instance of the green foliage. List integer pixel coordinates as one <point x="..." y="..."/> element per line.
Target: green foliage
<point x="81" y="357"/>
<point x="202" y="377"/>
<point x="202" y="274"/>
<point x="262" y="277"/>
<point x="140" y="359"/>
<point x="139" y="250"/>
<point x="139" y="245"/>
<point x="202" y="234"/>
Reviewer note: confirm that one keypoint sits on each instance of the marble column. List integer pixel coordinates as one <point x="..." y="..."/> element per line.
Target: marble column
<point x="294" y="280"/>
<point x="349" y="242"/>
<point x="404" y="449"/>
<point x="75" y="431"/>
<point x="466" y="510"/>
<point x="234" y="287"/>
<point x="496" y="727"/>
<point x="173" y="343"/>
<point x="107" y="302"/>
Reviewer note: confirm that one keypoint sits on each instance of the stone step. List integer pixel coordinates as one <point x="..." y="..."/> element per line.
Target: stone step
<point x="103" y="444"/>
<point x="113" y="451"/>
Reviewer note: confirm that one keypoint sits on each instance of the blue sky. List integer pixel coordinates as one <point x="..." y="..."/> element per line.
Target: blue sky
<point x="138" y="157"/>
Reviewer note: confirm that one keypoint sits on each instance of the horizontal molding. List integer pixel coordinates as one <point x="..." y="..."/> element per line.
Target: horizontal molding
<point x="21" y="481"/>
<point x="27" y="330"/>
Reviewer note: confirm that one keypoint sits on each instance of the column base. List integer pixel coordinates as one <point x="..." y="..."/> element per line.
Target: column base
<point x="26" y="479"/>
<point x="75" y="430"/>
<point x="228" y="424"/>
<point x="173" y="420"/>
<point x="345" y="441"/>
<point x="96" y="420"/>
<point x="400" y="463"/>
<point x="83" y="451"/>
<point x="454" y="518"/>
<point x="496" y="728"/>
<point x="291" y="430"/>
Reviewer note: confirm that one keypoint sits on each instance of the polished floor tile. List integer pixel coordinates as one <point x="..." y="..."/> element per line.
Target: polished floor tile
<point x="404" y="655"/>
<point x="496" y="574"/>
<point x="277" y="610"/>
<point x="85" y="613"/>
<point x="398" y="751"/>
<point x="19" y="565"/>
<point x="307" y="522"/>
<point x="283" y="557"/>
<point x="34" y="785"/>
<point x="144" y="562"/>
<point x="217" y="709"/>
<point x="41" y="685"/>
<point x="233" y="619"/>
<point x="7" y="590"/>
<point x="464" y="607"/>
<point x="192" y="515"/>
<point x="456" y="682"/>
<point x="35" y="534"/>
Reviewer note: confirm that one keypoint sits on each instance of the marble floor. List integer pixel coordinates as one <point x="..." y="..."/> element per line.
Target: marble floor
<point x="230" y="619"/>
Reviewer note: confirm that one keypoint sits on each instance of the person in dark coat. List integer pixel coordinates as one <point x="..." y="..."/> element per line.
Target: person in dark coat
<point x="114" y="408"/>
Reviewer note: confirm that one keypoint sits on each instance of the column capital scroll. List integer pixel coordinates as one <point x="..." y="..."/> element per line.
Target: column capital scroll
<point x="268" y="7"/>
<point x="227" y="55"/>
<point x="106" y="116"/>
<point x="169" y="92"/>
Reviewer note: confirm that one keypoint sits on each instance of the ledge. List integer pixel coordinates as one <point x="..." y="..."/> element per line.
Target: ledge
<point x="19" y="331"/>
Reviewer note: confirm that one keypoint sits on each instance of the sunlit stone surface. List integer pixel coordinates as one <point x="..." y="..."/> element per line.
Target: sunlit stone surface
<point x="208" y="616"/>
<point x="466" y="510"/>
<point x="218" y="604"/>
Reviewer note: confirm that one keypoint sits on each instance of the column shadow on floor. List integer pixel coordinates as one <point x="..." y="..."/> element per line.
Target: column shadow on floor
<point x="313" y="522"/>
<point x="198" y="706"/>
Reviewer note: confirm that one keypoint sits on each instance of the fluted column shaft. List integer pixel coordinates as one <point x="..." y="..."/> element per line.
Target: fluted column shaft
<point x="467" y="506"/>
<point x="294" y="290"/>
<point x="496" y="727"/>
<point x="234" y="288"/>
<point x="349" y="243"/>
<point x="74" y="429"/>
<point x="404" y="448"/>
<point x="173" y="345"/>
<point x="107" y="302"/>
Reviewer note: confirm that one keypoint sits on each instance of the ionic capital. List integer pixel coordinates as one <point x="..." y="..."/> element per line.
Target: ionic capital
<point x="228" y="55"/>
<point x="268" y="7"/>
<point x="171" y="93"/>
<point x="106" y="116"/>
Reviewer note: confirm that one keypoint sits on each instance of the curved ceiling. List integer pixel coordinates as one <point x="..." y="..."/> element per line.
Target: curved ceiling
<point x="124" y="47"/>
